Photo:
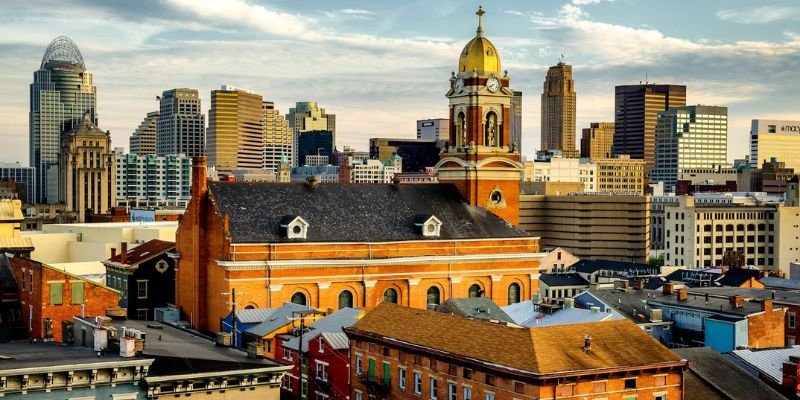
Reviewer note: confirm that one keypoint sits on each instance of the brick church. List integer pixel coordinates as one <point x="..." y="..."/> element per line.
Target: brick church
<point x="336" y="245"/>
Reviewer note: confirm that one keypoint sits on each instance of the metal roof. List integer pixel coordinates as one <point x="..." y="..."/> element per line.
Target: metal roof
<point x="279" y="318"/>
<point x="338" y="341"/>
<point x="330" y="324"/>
<point x="781" y="283"/>
<point x="253" y="315"/>
<point x="768" y="362"/>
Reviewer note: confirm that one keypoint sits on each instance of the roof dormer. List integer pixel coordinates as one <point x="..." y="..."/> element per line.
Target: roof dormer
<point x="294" y="227"/>
<point x="428" y="225"/>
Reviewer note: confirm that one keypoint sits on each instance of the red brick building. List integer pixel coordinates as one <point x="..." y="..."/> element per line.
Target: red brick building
<point x="50" y="296"/>
<point x="399" y="352"/>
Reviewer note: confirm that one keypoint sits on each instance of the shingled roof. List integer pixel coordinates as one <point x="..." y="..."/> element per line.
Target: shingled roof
<point x="351" y="213"/>
<point x="144" y="252"/>
<point x="543" y="350"/>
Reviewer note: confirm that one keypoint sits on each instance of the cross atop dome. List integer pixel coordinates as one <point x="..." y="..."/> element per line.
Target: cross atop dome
<point x="480" y="13"/>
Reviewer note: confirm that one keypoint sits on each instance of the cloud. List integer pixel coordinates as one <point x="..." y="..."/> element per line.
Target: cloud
<point x="759" y="15"/>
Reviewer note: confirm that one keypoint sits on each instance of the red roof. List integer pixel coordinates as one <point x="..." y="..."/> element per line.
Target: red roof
<point x="144" y="251"/>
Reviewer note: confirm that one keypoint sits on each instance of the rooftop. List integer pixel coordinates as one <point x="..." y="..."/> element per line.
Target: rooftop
<point x="332" y="324"/>
<point x="525" y="315"/>
<point x="780" y="283"/>
<point x="768" y="362"/>
<point x="351" y="213"/>
<point x="536" y="351"/>
<point x="721" y="376"/>
<point x="553" y="280"/>
<point x="475" y="307"/>
<point x="24" y="354"/>
<point x="590" y="266"/>
<point x="144" y="252"/>
<point x="278" y="318"/>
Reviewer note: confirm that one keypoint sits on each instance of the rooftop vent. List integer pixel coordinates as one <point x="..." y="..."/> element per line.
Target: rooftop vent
<point x="428" y="225"/>
<point x="294" y="227"/>
<point x="587" y="343"/>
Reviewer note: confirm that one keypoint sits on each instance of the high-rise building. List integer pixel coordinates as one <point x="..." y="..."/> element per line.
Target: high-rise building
<point x="437" y="129"/>
<point x="314" y="143"/>
<point x="23" y="177"/>
<point x="597" y="140"/>
<point x="516" y="120"/>
<point x="277" y="136"/>
<point x="181" y="127"/>
<point x="235" y="137"/>
<point x="417" y="154"/>
<point x="636" y="109"/>
<point x="61" y="94"/>
<point x="558" y="110"/>
<point x="87" y="170"/>
<point x="143" y="139"/>
<point x="620" y="174"/>
<point x="150" y="181"/>
<point x="774" y="138"/>
<point x="308" y="116"/>
<point x="687" y="138"/>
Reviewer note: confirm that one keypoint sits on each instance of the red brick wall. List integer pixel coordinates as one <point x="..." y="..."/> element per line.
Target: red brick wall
<point x="767" y="329"/>
<point x="97" y="298"/>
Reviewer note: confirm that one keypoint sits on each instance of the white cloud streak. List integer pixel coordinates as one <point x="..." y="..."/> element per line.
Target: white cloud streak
<point x="759" y="15"/>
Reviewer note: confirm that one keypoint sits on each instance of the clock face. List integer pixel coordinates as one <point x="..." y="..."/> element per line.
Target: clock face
<point x="459" y="84"/>
<point x="493" y="84"/>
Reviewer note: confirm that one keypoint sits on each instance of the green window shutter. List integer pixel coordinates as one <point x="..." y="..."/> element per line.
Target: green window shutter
<point x="56" y="293"/>
<point x="387" y="376"/>
<point x="77" y="292"/>
<point x="371" y="371"/>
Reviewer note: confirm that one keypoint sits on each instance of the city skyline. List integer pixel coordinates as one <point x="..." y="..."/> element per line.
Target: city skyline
<point x="136" y="51"/>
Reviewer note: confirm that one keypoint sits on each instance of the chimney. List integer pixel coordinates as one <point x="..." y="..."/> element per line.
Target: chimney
<point x="682" y="294"/>
<point x="113" y="252"/>
<point x="638" y="284"/>
<point x="790" y="375"/>
<point x="199" y="176"/>
<point x="766" y="305"/>
<point x="668" y="288"/>
<point x="737" y="301"/>
<point x="124" y="252"/>
<point x="587" y="343"/>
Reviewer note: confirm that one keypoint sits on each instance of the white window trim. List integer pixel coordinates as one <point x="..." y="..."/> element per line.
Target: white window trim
<point x="146" y="289"/>
<point x="433" y="384"/>
<point x="401" y="378"/>
<point x="418" y="390"/>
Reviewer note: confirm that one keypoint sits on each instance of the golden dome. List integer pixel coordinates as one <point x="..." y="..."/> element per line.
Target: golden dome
<point x="479" y="54"/>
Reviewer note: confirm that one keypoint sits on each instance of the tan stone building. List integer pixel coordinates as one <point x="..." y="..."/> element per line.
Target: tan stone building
<point x="597" y="139"/>
<point x="235" y="136"/>
<point x="620" y="175"/>
<point x="87" y="170"/>
<point x="588" y="225"/>
<point x="558" y="110"/>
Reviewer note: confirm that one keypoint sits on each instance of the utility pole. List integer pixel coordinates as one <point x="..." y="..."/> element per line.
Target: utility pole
<point x="233" y="315"/>
<point x="302" y="314"/>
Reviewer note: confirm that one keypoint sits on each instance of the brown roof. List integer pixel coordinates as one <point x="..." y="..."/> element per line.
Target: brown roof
<point x="540" y="350"/>
<point x="144" y="252"/>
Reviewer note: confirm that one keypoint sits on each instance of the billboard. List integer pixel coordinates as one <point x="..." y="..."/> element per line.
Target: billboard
<point x="143" y="215"/>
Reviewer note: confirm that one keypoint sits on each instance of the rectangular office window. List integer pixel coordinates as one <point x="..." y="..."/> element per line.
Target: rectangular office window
<point x="452" y="391"/>
<point x="792" y="318"/>
<point x="77" y="292"/>
<point x="433" y="388"/>
<point x="56" y="294"/>
<point x="141" y="289"/>
<point x="401" y="374"/>
<point x="488" y="396"/>
<point x="630" y="383"/>
<point x="359" y="365"/>
<point x="30" y="283"/>
<point x="467" y="393"/>
<point x="417" y="382"/>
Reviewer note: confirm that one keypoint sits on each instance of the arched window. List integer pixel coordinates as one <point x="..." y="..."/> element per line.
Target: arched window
<point x="513" y="293"/>
<point x="249" y="307"/>
<point x="345" y="299"/>
<point x="461" y="130"/>
<point x="475" y="290"/>
<point x="491" y="131"/>
<point x="299" y="298"/>
<point x="433" y="295"/>
<point x="390" y="296"/>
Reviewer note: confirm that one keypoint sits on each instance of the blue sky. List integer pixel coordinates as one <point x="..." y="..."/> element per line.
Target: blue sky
<point x="381" y="65"/>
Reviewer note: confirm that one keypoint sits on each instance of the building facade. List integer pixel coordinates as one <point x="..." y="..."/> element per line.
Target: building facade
<point x="309" y="116"/>
<point x="375" y="171"/>
<point x="774" y="138"/>
<point x="181" y="126"/>
<point x="87" y="170"/>
<point x="620" y="174"/>
<point x="689" y="138"/>
<point x="516" y="120"/>
<point x="61" y="94"/>
<point x="559" y="169"/>
<point x="24" y="177"/>
<point x="277" y="137"/>
<point x="558" y="110"/>
<point x="417" y="154"/>
<point x="636" y="109"/>
<point x="597" y="140"/>
<point x="437" y="129"/>
<point x="398" y="353"/>
<point x="322" y="173"/>
<point x="150" y="181"/>
<point x="235" y="136"/>
<point x="590" y="225"/>
<point x="313" y="143"/>
<point x="143" y="139"/>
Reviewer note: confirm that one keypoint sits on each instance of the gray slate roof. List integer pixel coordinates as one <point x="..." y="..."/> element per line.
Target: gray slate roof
<point x="351" y="212"/>
<point x="555" y="280"/>
<point x="475" y="307"/>
<point x="278" y="318"/>
<point x="780" y="283"/>
<point x="330" y="324"/>
<point x="724" y="376"/>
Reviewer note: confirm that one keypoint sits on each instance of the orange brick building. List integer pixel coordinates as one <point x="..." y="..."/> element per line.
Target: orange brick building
<point x="50" y="296"/>
<point x="403" y="353"/>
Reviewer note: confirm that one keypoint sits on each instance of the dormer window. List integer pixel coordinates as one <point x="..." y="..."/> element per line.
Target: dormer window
<point x="428" y="225"/>
<point x="294" y="227"/>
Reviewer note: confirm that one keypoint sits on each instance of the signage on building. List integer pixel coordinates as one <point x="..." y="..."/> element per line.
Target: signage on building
<point x="428" y="123"/>
<point x="143" y="215"/>
<point x="790" y="128"/>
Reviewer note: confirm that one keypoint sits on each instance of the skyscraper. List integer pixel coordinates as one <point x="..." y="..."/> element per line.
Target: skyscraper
<point x="558" y="110"/>
<point x="277" y="137"/>
<point x="181" y="127"/>
<point x="308" y="116"/>
<point x="597" y="140"/>
<point x="61" y="93"/>
<point x="516" y="119"/>
<point x="636" y="109"/>
<point x="235" y="130"/>
<point x="143" y="139"/>
<point x="693" y="137"/>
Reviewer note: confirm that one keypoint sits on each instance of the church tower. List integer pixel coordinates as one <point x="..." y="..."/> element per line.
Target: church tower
<point x="479" y="157"/>
<point x="284" y="170"/>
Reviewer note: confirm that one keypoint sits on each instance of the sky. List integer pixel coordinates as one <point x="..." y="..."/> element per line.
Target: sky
<point x="382" y="65"/>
